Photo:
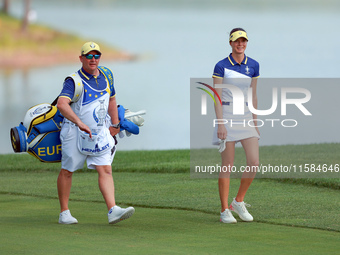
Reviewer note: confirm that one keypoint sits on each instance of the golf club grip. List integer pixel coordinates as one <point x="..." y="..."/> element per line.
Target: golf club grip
<point x="142" y="112"/>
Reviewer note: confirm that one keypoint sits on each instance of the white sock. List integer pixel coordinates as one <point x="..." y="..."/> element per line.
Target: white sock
<point x="237" y="202"/>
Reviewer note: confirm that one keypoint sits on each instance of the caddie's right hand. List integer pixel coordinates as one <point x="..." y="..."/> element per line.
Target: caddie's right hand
<point x="85" y="128"/>
<point x="114" y="131"/>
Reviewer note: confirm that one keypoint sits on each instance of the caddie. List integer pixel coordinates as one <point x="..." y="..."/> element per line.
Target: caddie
<point x="88" y="103"/>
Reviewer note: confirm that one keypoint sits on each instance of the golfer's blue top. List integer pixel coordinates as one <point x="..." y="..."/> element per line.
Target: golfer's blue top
<point x="97" y="83"/>
<point x="229" y="68"/>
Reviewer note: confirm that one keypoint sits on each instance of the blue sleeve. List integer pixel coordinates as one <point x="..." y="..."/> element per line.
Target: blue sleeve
<point x="68" y="89"/>
<point x="218" y="71"/>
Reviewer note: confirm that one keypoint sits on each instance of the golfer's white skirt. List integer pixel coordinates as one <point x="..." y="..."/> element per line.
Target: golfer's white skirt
<point x="238" y="127"/>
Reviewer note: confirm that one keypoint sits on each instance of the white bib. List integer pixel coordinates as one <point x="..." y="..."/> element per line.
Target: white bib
<point x="97" y="145"/>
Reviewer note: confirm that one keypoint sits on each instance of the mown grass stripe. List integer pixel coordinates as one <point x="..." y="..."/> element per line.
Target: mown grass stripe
<point x="161" y="207"/>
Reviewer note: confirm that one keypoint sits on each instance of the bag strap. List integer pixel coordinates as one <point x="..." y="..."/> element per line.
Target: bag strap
<point x="54" y="103"/>
<point x="78" y="88"/>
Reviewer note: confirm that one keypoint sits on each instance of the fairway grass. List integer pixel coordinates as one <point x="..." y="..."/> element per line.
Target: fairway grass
<point x="29" y="226"/>
<point x="175" y="214"/>
<point x="272" y="202"/>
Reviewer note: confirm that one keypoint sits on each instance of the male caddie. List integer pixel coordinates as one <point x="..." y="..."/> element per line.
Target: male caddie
<point x="88" y="103"/>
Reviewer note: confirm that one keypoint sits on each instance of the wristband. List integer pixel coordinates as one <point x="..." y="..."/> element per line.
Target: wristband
<point x="115" y="125"/>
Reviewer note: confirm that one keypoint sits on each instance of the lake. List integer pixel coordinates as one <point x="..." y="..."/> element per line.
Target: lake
<point x="179" y="40"/>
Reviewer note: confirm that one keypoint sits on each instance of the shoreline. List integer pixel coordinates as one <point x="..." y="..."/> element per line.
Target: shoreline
<point x="30" y="59"/>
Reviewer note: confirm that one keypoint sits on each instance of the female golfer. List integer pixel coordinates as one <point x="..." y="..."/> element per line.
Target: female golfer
<point x="241" y="71"/>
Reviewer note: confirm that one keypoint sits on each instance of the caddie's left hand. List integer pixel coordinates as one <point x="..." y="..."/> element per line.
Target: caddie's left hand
<point x="114" y="131"/>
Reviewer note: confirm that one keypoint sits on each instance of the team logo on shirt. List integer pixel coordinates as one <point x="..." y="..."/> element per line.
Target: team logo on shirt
<point x="99" y="113"/>
<point x="247" y="70"/>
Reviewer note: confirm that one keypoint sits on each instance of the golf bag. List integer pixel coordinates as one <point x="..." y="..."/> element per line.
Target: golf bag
<point x="39" y="133"/>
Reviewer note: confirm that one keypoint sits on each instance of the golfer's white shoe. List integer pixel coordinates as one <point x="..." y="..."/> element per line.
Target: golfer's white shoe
<point x="241" y="210"/>
<point x="227" y="217"/>
<point x="116" y="214"/>
<point x="65" y="217"/>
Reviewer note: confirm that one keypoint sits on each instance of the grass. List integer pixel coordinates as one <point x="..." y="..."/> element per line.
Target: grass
<point x="149" y="231"/>
<point x="180" y="192"/>
<point x="175" y="214"/>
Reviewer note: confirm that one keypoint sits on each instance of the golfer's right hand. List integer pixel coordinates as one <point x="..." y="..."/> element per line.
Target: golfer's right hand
<point x="221" y="132"/>
<point x="85" y="128"/>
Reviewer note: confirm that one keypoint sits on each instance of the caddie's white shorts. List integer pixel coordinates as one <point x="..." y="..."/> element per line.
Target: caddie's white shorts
<point x="72" y="159"/>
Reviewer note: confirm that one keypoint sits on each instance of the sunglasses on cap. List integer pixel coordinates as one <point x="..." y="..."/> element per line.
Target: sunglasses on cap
<point x="90" y="56"/>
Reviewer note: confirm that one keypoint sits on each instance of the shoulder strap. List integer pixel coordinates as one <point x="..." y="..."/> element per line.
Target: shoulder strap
<point x="78" y="86"/>
<point x="108" y="75"/>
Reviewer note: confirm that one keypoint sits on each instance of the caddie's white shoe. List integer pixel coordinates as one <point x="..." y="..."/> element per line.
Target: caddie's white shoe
<point x="227" y="217"/>
<point x="117" y="214"/>
<point x="241" y="210"/>
<point x="65" y="217"/>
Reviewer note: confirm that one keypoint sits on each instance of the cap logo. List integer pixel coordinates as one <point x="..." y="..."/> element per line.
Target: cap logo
<point x="92" y="45"/>
<point x="238" y="34"/>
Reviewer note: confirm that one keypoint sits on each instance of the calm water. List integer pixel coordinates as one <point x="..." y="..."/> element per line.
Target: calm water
<point x="178" y="40"/>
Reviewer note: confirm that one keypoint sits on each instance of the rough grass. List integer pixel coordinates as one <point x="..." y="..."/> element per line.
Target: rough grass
<point x="178" y="161"/>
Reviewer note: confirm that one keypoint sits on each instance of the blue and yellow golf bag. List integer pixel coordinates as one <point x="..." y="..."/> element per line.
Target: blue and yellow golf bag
<point x="39" y="133"/>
